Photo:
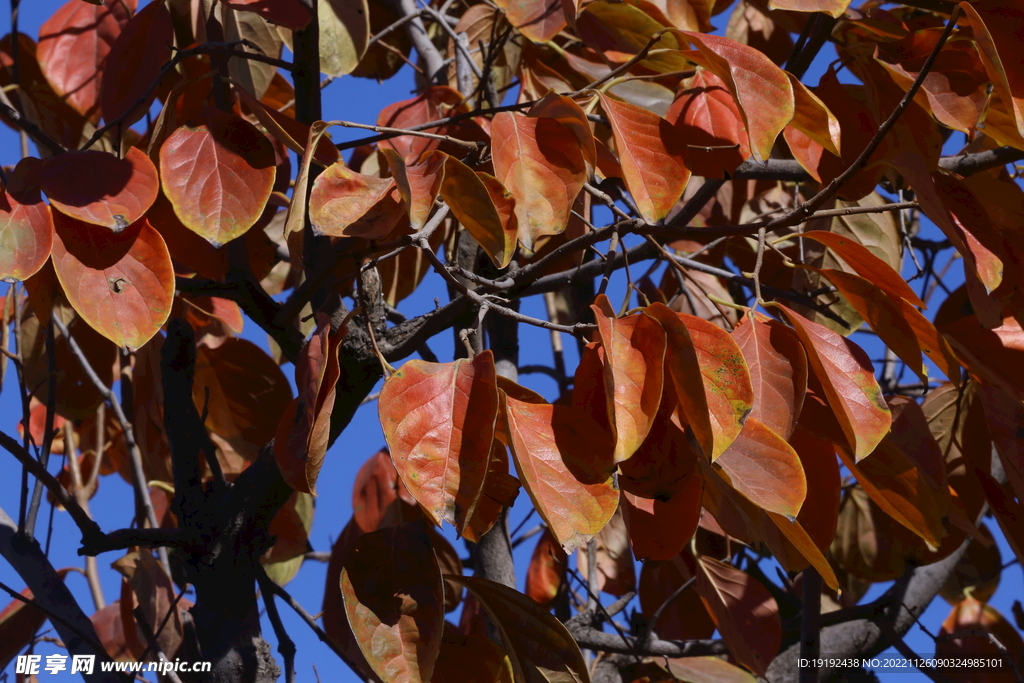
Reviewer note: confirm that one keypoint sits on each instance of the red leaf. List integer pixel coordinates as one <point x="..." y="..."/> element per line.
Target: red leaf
<point x="744" y="611"/>
<point x="996" y="31"/>
<point x="500" y="491"/>
<point x="484" y="207"/>
<point x="659" y="530"/>
<point x="394" y="599"/>
<point x="683" y="367"/>
<point x="439" y="423"/>
<point x="685" y="617"/>
<point x="974" y="622"/>
<point x="419" y="183"/>
<point x="634" y="353"/>
<point x="121" y="284"/>
<point x="97" y="187"/>
<point x="546" y="573"/>
<point x="765" y="469"/>
<point x="761" y="89"/>
<point x="302" y="433"/>
<point x="707" y="117"/>
<point x="524" y="150"/>
<point x="291" y="14"/>
<point x="437" y="102"/>
<point x="218" y="175"/>
<point x="73" y="48"/>
<point x="575" y="500"/>
<point x="26" y="226"/>
<point x="342" y="198"/>
<point x="652" y="160"/>
<point x="538" y="20"/>
<point x="134" y="63"/>
<point x="848" y="380"/>
<point x="778" y="371"/>
<point x="376" y="486"/>
<point x="867" y="265"/>
<point x="727" y="385"/>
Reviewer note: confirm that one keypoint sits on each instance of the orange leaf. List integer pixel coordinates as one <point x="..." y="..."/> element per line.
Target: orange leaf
<point x="121" y="284"/>
<point x="727" y="385"/>
<point x="26" y="225"/>
<point x="765" y="469"/>
<point x="524" y="150"/>
<point x="848" y="380"/>
<point x="634" y="349"/>
<point x="575" y="499"/>
<point x="761" y="89"/>
<point x="867" y="265"/>
<point x="684" y="369"/>
<point x="778" y="371"/>
<point x="484" y="207"/>
<point x="218" y="175"/>
<point x="342" y="201"/>
<point x="660" y="467"/>
<point x="659" y="530"/>
<point x="744" y="611"/>
<point x="500" y="491"/>
<point x="883" y="314"/>
<point x="394" y="599"/>
<point x="436" y="102"/>
<point x="834" y="8"/>
<point x="821" y="469"/>
<point x="97" y="187"/>
<point x="376" y="486"/>
<point x="538" y="20"/>
<point x="569" y="115"/>
<point x="304" y="429"/>
<point x="439" y="420"/>
<point x="813" y="118"/>
<point x="546" y="573"/>
<point x="652" y="159"/>
<point x="419" y="183"/>
<point x="537" y="643"/>
<point x="706" y="116"/>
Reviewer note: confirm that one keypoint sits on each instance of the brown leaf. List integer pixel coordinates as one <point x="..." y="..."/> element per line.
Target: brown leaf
<point x="394" y="599"/>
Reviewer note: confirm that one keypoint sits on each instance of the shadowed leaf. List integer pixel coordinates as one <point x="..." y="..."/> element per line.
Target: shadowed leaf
<point x="26" y="225"/>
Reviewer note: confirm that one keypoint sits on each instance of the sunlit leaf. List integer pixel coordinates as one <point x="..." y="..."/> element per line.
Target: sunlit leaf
<point x="575" y="499"/>
<point x="419" y="183"/>
<point x="73" y="47"/>
<point x="121" y="284"/>
<point x="813" y="118"/>
<point x="651" y="156"/>
<point x="727" y="385"/>
<point x="765" y="469"/>
<point x="835" y="8"/>
<point x="341" y="197"/>
<point x="778" y="371"/>
<point x="707" y="670"/>
<point x="439" y="419"/>
<point x="538" y="20"/>
<point x="634" y="353"/>
<point x="484" y="207"/>
<point x="394" y="599"/>
<point x="217" y="175"/>
<point x="436" y="102"/>
<point x="848" y="380"/>
<point x="762" y="89"/>
<point x="524" y="151"/>
<point x="26" y="225"/>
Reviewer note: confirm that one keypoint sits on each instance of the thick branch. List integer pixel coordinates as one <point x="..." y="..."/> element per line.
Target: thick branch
<point x="592" y="639"/>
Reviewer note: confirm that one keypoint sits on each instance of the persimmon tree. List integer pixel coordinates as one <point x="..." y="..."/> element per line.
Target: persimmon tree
<point x="705" y="226"/>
